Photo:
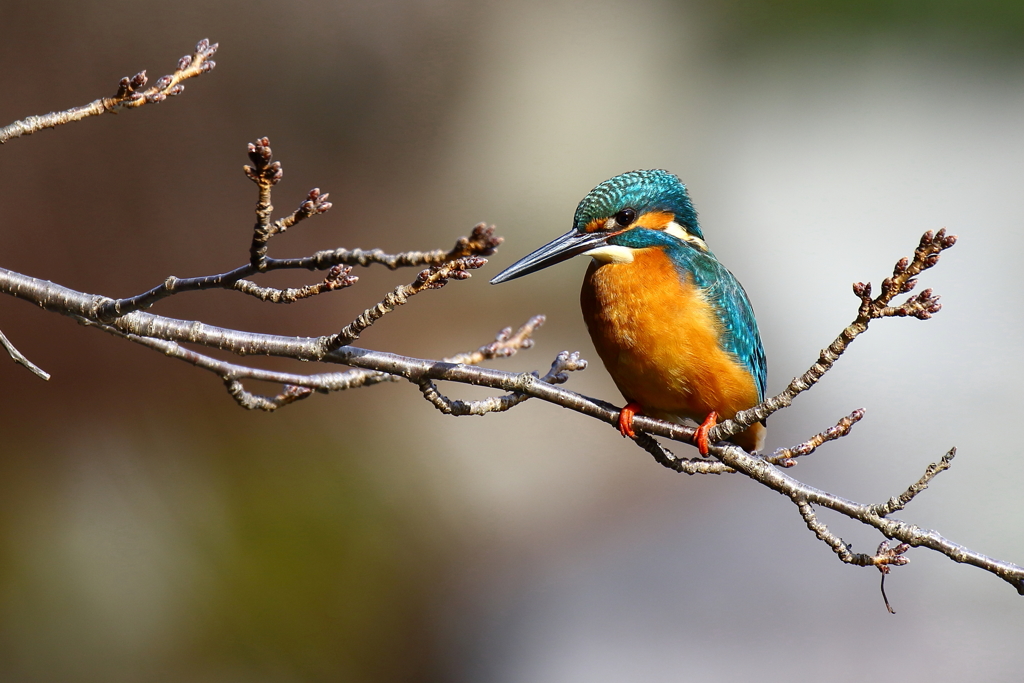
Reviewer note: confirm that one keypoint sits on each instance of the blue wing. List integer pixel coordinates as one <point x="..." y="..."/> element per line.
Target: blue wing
<point x="741" y="334"/>
<point x="726" y="294"/>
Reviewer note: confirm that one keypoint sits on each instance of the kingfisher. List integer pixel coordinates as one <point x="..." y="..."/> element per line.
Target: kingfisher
<point x="674" y="328"/>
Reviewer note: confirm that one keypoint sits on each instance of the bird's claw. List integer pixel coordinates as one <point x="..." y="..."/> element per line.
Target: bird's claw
<point x="626" y="419"/>
<point x="701" y="437"/>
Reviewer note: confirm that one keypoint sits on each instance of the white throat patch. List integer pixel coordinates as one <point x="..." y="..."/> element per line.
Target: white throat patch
<point x="611" y="253"/>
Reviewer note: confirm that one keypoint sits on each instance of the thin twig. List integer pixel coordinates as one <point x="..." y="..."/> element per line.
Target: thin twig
<point x="784" y="457"/>
<point x="564" y="363"/>
<point x="265" y="173"/>
<point x="435" y="277"/>
<point x="505" y="345"/>
<point x="673" y="462"/>
<point x="899" y="502"/>
<point x="481" y="242"/>
<point x="250" y="401"/>
<point x="339" y="277"/>
<point x="129" y="95"/>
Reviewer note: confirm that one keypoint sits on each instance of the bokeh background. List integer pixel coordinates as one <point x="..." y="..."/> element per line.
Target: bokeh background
<point x="151" y="530"/>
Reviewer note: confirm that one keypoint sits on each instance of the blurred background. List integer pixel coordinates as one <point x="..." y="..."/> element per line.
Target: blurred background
<point x="151" y="530"/>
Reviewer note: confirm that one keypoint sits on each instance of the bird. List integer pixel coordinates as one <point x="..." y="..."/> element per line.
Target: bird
<point x="674" y="328"/>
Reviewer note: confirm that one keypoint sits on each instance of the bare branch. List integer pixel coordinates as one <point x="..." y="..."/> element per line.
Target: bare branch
<point x="265" y="173"/>
<point x="314" y="204"/>
<point x="481" y="242"/>
<point x="20" y="359"/>
<point x="129" y="95"/>
<point x="838" y="545"/>
<point x="763" y="472"/>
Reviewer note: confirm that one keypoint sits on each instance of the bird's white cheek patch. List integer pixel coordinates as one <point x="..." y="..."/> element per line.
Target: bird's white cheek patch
<point x="678" y="231"/>
<point x="611" y="253"/>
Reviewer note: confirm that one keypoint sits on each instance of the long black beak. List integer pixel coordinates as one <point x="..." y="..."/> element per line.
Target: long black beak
<point x="561" y="249"/>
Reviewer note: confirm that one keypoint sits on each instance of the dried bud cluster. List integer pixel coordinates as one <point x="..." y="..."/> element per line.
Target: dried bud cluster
<point x="506" y="343"/>
<point x="339" y="277"/>
<point x="922" y="306"/>
<point x="891" y="555"/>
<point x="481" y="242"/>
<point x="437" y="277"/>
<point x="315" y="202"/>
<point x="264" y="170"/>
<point x="565" y="362"/>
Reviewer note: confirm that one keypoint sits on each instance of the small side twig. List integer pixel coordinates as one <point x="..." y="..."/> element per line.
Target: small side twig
<point x="481" y="242"/>
<point x="899" y="502"/>
<point x="673" y="462"/>
<point x="339" y="277"/>
<point x="314" y="204"/>
<point x="838" y="545"/>
<point x="564" y="363"/>
<point x="435" y="277"/>
<point x="784" y="457"/>
<point x="251" y="401"/>
<point x="19" y="358"/>
<point x="265" y="173"/>
<point x="505" y="345"/>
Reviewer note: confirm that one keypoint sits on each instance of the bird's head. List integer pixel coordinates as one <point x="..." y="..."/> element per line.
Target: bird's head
<point x="653" y="200"/>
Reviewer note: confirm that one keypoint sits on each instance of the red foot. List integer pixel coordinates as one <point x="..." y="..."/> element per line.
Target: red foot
<point x="626" y="419"/>
<point x="701" y="437"/>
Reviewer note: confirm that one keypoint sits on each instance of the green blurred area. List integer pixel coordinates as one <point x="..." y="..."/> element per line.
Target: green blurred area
<point x="953" y="25"/>
<point x="266" y="552"/>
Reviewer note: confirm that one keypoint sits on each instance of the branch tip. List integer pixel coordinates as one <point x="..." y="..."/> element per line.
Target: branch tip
<point x="784" y="457"/>
<point x="899" y="502"/>
<point x="19" y="358"/>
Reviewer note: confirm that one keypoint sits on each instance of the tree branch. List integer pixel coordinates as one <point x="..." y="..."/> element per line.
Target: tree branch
<point x="51" y="296"/>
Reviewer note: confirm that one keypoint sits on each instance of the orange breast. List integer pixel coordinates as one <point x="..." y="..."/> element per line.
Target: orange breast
<point x="660" y="341"/>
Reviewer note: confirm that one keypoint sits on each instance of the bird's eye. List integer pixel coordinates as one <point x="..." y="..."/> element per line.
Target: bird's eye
<point x="625" y="217"/>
